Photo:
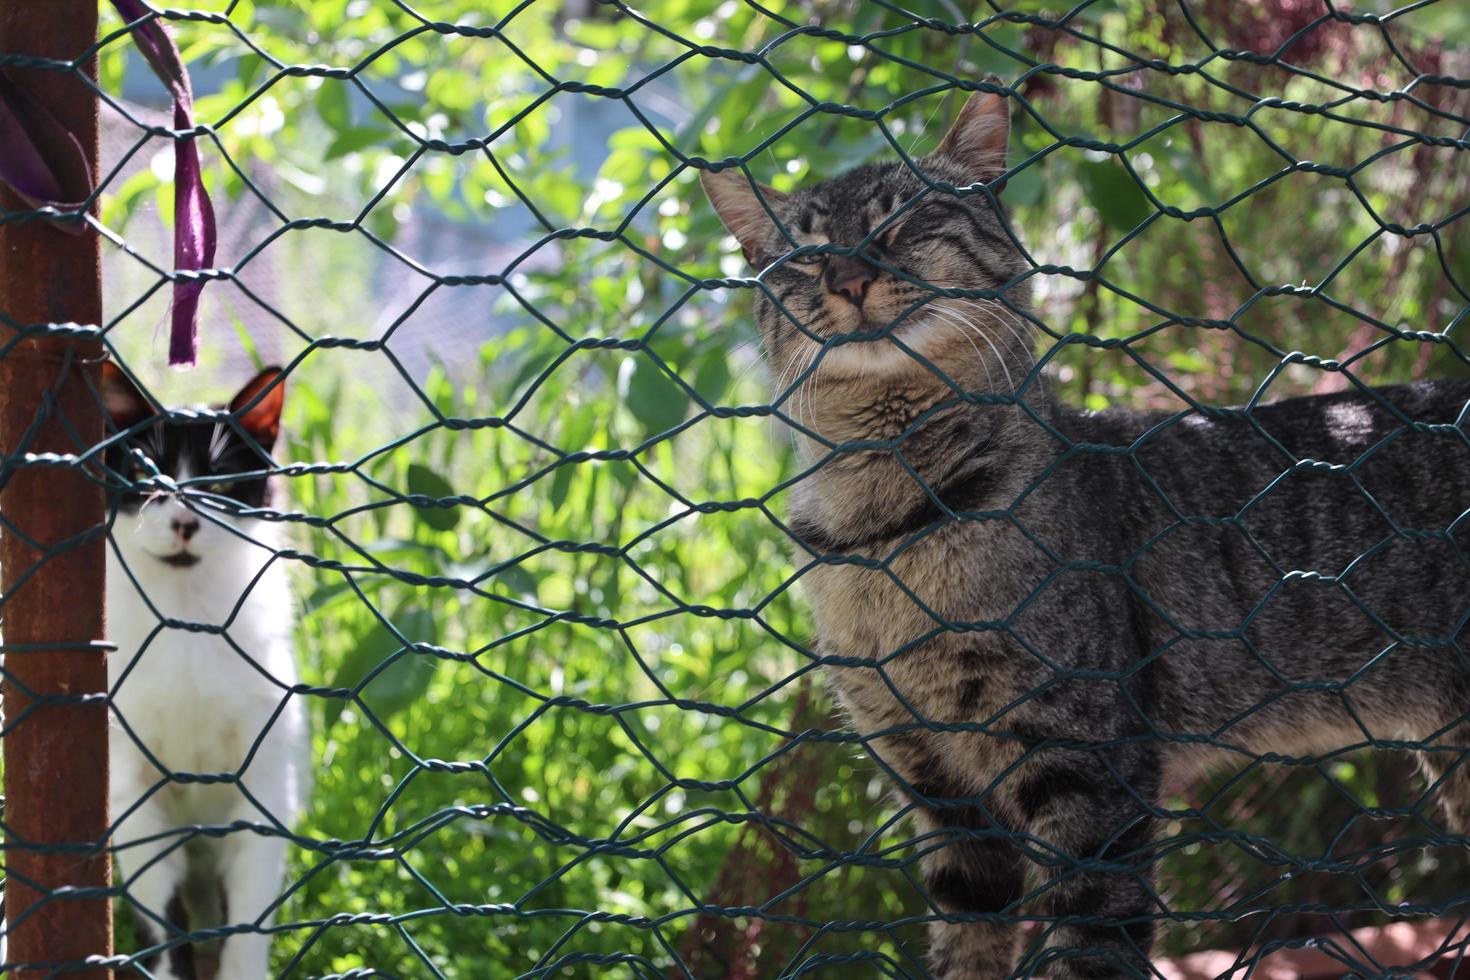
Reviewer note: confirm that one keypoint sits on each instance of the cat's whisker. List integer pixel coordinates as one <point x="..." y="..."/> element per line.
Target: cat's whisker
<point x="989" y="377"/>
<point x="762" y="356"/>
<point x="787" y="389"/>
<point x="777" y="376"/>
<point x="804" y="392"/>
<point x="1012" y="333"/>
<point x="920" y="133"/>
<point x="960" y="328"/>
<point x="1010" y="321"/>
<point x="217" y="441"/>
<point x="783" y="392"/>
<point x="995" y="350"/>
<point x="1011" y="338"/>
<point x="802" y="401"/>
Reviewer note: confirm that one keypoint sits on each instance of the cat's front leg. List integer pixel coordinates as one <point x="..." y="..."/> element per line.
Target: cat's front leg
<point x="974" y="875"/>
<point x="251" y="882"/>
<point x="1089" y="815"/>
<point x="974" y="878"/>
<point x="253" y="864"/>
<point x="151" y="865"/>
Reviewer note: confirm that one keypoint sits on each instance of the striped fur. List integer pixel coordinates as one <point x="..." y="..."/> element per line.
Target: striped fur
<point x="1030" y="671"/>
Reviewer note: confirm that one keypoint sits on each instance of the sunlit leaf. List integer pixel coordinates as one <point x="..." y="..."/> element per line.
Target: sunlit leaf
<point x="424" y="482"/>
<point x="1115" y="194"/>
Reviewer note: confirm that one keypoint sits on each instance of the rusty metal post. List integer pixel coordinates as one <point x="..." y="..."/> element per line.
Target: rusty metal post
<point x="51" y="542"/>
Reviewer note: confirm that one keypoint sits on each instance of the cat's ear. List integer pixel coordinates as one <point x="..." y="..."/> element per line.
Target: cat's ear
<point x="123" y="400"/>
<point x="738" y="203"/>
<point x="263" y="419"/>
<point x="977" y="140"/>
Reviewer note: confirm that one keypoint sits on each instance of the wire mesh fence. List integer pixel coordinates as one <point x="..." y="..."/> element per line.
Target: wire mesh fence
<point x="491" y="635"/>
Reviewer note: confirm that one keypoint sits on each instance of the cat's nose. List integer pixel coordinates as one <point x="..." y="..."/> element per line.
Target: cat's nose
<point x="850" y="277"/>
<point x="185" y="527"/>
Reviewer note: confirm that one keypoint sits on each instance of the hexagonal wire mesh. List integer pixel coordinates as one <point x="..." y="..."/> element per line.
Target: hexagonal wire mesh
<point x="563" y="698"/>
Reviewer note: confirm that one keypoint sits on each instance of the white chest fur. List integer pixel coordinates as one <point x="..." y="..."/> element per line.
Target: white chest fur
<point x="204" y="656"/>
<point x="201" y="687"/>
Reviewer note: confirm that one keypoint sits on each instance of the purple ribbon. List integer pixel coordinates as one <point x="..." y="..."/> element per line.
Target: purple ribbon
<point x="33" y="139"/>
<point x="45" y="164"/>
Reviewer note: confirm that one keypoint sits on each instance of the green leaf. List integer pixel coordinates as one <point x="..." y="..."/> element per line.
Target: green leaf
<point x="531" y="367"/>
<point x="383" y="223"/>
<point x="1441" y="21"/>
<point x="327" y="594"/>
<point x="561" y="482"/>
<point x="577" y="429"/>
<point x="713" y="375"/>
<point x="1025" y="188"/>
<point x="423" y="481"/>
<point x="111" y="67"/>
<point x="1116" y="195"/>
<point x="1179" y="163"/>
<point x="332" y="104"/>
<point x="517" y="580"/>
<point x="651" y="396"/>
<point x="117" y="208"/>
<point x="247" y="342"/>
<point x="357" y="138"/>
<point x="248" y="68"/>
<point x="404" y="680"/>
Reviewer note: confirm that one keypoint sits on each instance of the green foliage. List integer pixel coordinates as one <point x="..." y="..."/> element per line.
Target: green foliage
<point x="508" y="693"/>
<point x="1116" y="194"/>
<point x="557" y="676"/>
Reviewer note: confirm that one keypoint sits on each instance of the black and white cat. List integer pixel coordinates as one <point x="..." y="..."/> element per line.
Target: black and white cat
<point x="184" y="551"/>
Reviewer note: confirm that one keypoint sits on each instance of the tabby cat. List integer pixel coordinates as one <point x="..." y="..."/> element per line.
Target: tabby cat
<point x="1035" y="615"/>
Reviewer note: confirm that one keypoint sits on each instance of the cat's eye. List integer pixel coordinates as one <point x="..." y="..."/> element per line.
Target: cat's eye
<point x="137" y="465"/>
<point x="216" y="488"/>
<point x="889" y="233"/>
<point x="806" y="259"/>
